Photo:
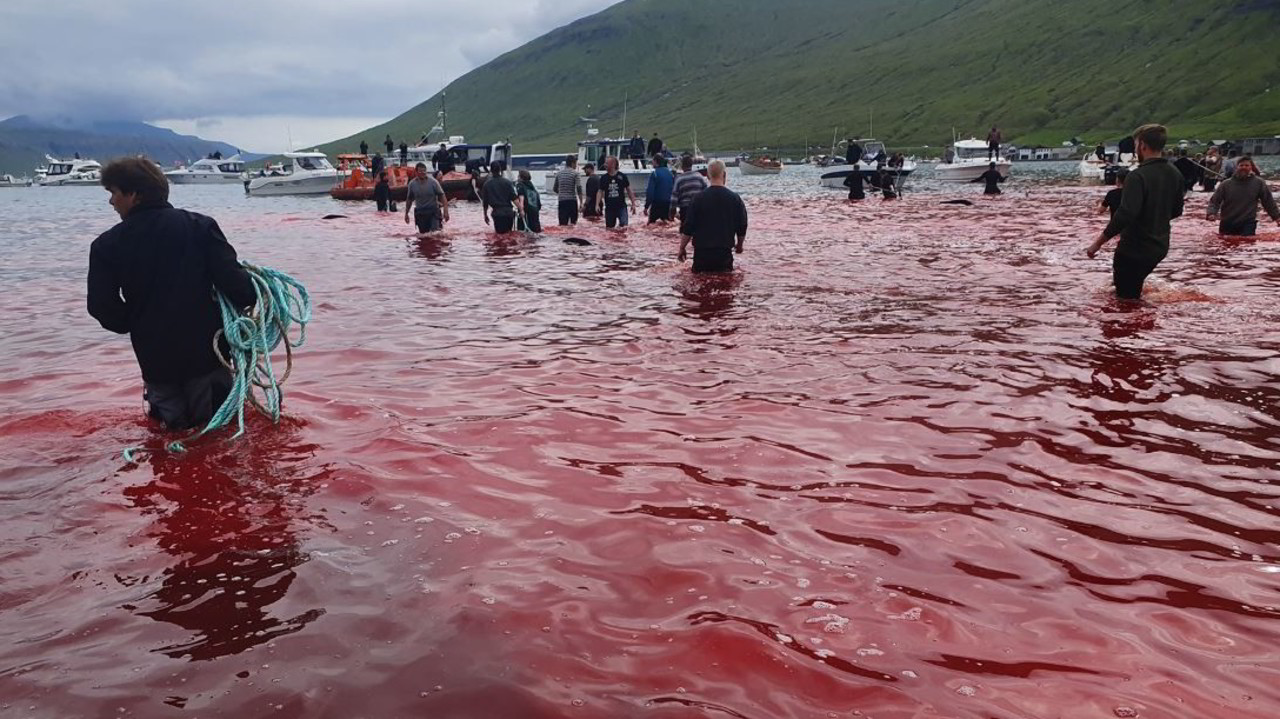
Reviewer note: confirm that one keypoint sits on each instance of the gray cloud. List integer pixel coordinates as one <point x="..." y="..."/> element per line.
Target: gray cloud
<point x="145" y="59"/>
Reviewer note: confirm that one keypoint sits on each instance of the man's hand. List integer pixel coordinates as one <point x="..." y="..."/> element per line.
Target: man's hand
<point x="446" y="214"/>
<point x="681" y="256"/>
<point x="406" y="217"/>
<point x="486" y="218"/>
<point x="1092" y="250"/>
<point x="738" y="247"/>
<point x="1210" y="216"/>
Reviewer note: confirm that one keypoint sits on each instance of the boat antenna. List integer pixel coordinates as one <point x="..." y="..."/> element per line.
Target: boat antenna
<point x="625" y="97"/>
<point x="871" y="122"/>
<point x="444" y="112"/>
<point x="289" y="133"/>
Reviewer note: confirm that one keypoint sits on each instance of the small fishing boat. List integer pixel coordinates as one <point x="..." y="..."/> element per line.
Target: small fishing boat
<point x="209" y="171"/>
<point x="11" y="181"/>
<point x="762" y="165"/>
<point x="302" y="173"/>
<point x="969" y="159"/>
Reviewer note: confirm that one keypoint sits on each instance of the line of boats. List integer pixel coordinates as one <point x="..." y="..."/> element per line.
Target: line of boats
<point x="312" y="173"/>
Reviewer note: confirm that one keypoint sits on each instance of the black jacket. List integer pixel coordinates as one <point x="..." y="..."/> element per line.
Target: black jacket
<point x="152" y="277"/>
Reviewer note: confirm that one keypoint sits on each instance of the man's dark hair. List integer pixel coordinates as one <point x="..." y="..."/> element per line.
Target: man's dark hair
<point x="1153" y="136"/>
<point x="495" y="168"/>
<point x="589" y="166"/>
<point x="136" y="175"/>
<point x="423" y="165"/>
<point x="660" y="161"/>
<point x="570" y="160"/>
<point x="686" y="162"/>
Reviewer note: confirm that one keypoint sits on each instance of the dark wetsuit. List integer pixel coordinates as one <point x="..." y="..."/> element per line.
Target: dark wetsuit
<point x="854" y="183"/>
<point x="1151" y="198"/>
<point x="1112" y="200"/>
<point x="382" y="195"/>
<point x="993" y="178"/>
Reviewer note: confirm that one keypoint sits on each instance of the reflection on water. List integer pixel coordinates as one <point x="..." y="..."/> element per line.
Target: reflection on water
<point x="236" y="552"/>
<point x="908" y="459"/>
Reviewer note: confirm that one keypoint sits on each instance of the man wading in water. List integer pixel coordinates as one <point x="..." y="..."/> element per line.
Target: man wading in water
<point x="432" y="206"/>
<point x="1237" y="200"/>
<point x="716" y="224"/>
<point x="151" y="277"/>
<point x="1152" y="197"/>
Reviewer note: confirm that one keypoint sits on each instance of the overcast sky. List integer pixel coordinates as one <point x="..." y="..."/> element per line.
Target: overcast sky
<point x="254" y="72"/>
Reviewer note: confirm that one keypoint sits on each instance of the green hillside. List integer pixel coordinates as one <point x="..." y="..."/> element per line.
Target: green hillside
<point x="764" y="72"/>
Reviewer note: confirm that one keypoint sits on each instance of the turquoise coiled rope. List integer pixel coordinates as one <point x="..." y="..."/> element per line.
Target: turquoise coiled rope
<point x="281" y="303"/>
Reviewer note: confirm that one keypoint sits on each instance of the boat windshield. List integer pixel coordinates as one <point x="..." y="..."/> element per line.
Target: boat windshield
<point x="971" y="153"/>
<point x="59" y="168"/>
<point x="231" y="167"/>
<point x="313" y="163"/>
<point x="871" y="149"/>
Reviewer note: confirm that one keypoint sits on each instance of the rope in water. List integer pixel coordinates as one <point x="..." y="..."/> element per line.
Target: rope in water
<point x="281" y="303"/>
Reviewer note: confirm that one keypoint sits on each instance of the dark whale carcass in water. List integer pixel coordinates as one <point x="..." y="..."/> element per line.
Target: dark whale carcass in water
<point x="577" y="241"/>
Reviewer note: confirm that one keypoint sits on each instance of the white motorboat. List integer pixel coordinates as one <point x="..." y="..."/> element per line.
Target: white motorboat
<point x="209" y="171"/>
<point x="970" y="158"/>
<point x="596" y="151"/>
<point x="301" y="173"/>
<point x="1093" y="167"/>
<point x="11" y="181"/>
<point x="873" y="155"/>
<point x="762" y="165"/>
<point x="70" y="172"/>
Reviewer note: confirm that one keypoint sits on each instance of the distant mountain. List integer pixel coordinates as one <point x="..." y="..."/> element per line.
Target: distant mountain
<point x="24" y="141"/>
<point x="745" y="73"/>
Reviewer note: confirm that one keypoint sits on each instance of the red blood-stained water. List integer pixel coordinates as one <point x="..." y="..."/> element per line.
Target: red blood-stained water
<point x="908" y="461"/>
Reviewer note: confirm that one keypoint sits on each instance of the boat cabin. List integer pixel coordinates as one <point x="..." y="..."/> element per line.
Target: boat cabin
<point x="305" y="162"/>
<point x="464" y="155"/>
<point x="971" y="150"/>
<point x="209" y="164"/>
<point x="596" y="151"/>
<point x="55" y="169"/>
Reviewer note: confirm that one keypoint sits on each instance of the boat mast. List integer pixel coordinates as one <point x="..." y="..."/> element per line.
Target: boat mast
<point x="444" y="113"/>
<point x="625" y="97"/>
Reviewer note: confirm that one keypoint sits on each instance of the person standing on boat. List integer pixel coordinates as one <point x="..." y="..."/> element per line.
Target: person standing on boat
<point x="152" y="277"/>
<point x="591" y="205"/>
<point x="655" y="147"/>
<point x="364" y="148"/>
<point x="432" y="205"/>
<point x="1152" y="197"/>
<point x="569" y="191"/>
<point x="657" y="194"/>
<point x="993" y="178"/>
<point x="687" y="187"/>
<point x="993" y="143"/>
<point x="1237" y="200"/>
<point x="716" y="224"/>
<point x="636" y="150"/>
<point x="615" y="189"/>
<point x="853" y="153"/>
<point x="377" y="164"/>
<point x="404" y="154"/>
<point x="391" y="146"/>
<point x="499" y="195"/>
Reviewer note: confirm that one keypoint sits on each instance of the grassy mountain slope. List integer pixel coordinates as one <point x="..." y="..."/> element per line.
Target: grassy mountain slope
<point x="763" y="72"/>
<point x="25" y="141"/>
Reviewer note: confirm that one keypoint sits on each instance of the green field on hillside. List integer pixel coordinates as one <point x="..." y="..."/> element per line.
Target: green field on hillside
<point x="746" y="73"/>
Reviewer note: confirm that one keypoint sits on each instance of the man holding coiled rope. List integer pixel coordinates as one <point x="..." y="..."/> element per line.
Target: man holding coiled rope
<point x="152" y="276"/>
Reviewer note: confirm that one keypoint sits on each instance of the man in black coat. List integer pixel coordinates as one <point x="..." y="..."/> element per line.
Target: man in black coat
<point x="152" y="277"/>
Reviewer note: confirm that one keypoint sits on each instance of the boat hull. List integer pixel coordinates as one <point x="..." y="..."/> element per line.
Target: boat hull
<point x="969" y="171"/>
<point x="747" y="168"/>
<point x="316" y="184"/>
<point x="192" y="178"/>
<point x="457" y="186"/>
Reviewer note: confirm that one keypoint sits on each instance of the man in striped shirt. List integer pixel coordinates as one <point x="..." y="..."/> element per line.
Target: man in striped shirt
<point x="569" y="191"/>
<point x="688" y="186"/>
